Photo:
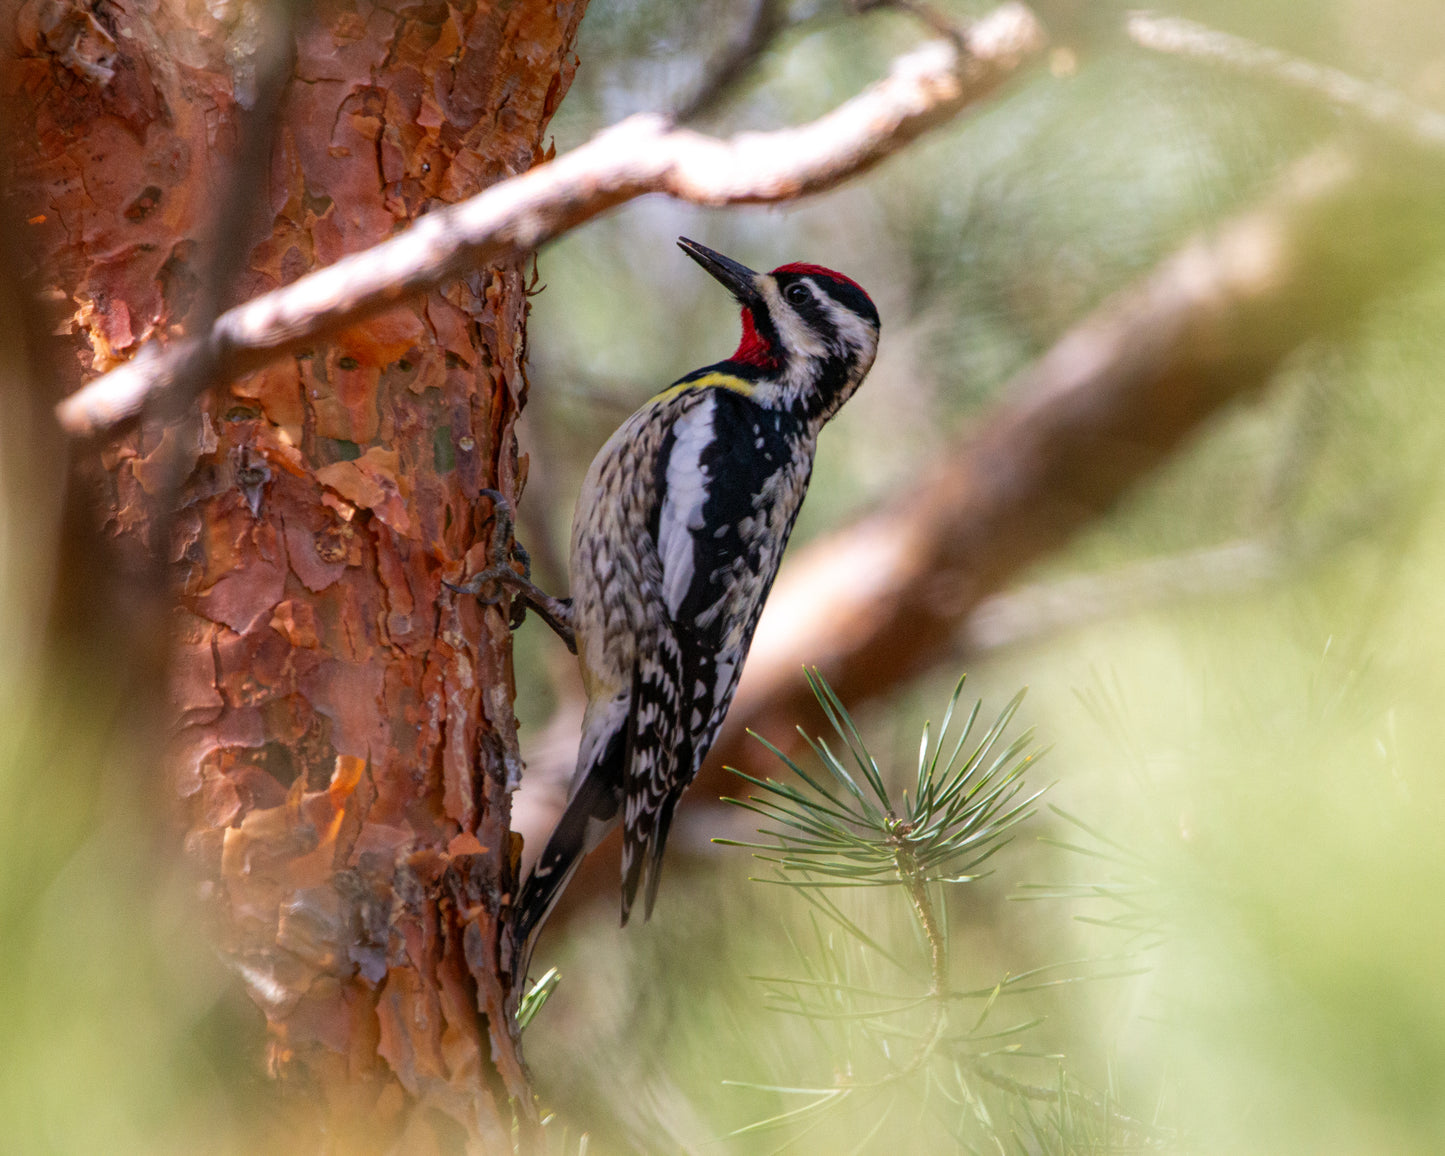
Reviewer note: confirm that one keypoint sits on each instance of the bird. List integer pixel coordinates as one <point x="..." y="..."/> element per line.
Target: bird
<point x="678" y="531"/>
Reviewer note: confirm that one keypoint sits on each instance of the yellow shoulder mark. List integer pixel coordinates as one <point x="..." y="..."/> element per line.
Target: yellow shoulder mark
<point x="715" y="379"/>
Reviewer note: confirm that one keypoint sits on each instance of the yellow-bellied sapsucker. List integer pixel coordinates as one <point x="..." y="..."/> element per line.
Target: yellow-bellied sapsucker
<point x="679" y="529"/>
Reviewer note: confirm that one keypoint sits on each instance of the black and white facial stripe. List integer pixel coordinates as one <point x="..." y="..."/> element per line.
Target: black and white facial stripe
<point x="828" y="330"/>
<point x="839" y="313"/>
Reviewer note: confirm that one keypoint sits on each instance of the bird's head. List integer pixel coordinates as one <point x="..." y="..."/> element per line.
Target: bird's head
<point x="809" y="334"/>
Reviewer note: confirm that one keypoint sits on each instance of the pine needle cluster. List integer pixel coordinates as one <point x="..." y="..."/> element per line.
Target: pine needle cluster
<point x="901" y="1032"/>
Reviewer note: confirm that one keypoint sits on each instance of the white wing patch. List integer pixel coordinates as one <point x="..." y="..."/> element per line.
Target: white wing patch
<point x="682" y="503"/>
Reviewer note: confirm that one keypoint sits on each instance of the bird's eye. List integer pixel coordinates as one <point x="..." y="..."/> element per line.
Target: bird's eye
<point x="797" y="293"/>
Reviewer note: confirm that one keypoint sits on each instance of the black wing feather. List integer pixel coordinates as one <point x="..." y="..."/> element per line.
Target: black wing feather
<point x="678" y="704"/>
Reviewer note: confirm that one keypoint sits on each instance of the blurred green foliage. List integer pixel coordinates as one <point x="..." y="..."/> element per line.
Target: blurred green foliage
<point x="119" y="1029"/>
<point x="1271" y="758"/>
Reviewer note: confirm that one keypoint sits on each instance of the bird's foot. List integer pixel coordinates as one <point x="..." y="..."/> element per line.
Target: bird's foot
<point x="499" y="574"/>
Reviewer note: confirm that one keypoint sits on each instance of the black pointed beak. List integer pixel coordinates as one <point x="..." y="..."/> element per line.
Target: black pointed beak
<point x="740" y="281"/>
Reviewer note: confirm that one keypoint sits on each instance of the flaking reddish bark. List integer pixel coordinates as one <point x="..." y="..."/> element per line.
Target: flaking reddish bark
<point x="346" y="743"/>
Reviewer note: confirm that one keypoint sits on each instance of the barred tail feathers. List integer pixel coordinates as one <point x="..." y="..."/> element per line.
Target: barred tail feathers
<point x="654" y="855"/>
<point x="659" y="765"/>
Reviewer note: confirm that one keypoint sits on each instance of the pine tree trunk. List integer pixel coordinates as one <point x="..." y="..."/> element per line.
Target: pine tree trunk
<point x="346" y="740"/>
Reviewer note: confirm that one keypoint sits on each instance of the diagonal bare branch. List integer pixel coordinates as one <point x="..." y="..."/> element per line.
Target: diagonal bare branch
<point x="1378" y="104"/>
<point x="644" y="154"/>
<point x="765" y="21"/>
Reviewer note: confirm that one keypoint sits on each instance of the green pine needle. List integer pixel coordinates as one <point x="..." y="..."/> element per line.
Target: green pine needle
<point x="843" y="827"/>
<point x="538" y="995"/>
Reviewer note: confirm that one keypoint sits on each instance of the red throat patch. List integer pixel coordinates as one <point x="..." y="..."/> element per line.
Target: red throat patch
<point x="754" y="349"/>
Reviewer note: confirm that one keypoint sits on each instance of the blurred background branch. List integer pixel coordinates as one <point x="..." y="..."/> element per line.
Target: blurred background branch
<point x="765" y="19"/>
<point x="1376" y="104"/>
<point x="1037" y="610"/>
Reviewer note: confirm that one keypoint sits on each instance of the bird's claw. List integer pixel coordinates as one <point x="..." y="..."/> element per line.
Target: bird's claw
<point x="500" y="552"/>
<point x="517" y="612"/>
<point x="503" y="550"/>
<point x="479" y="582"/>
<point x="504" y="545"/>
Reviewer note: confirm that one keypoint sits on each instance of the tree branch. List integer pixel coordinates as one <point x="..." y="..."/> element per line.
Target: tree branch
<point x="764" y="22"/>
<point x="1025" y="614"/>
<point x="643" y="154"/>
<point x="1384" y="107"/>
